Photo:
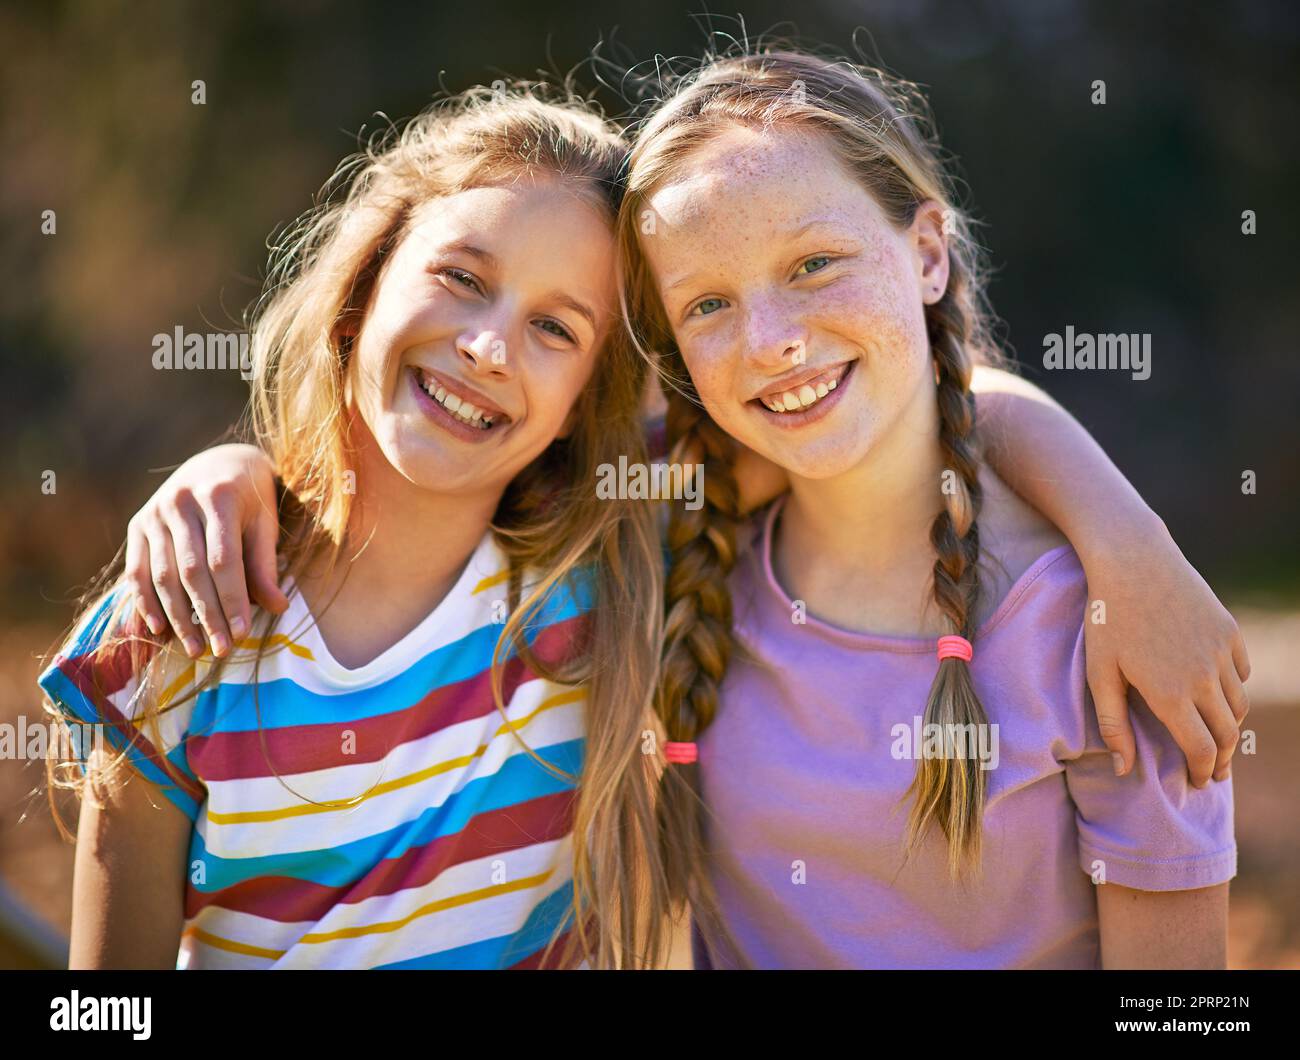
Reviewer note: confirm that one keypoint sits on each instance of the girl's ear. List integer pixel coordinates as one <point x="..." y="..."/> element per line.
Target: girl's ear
<point x="348" y="326"/>
<point x="344" y="337"/>
<point x="931" y="243"/>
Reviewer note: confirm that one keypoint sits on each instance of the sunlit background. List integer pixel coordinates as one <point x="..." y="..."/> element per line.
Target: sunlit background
<point x="1126" y="217"/>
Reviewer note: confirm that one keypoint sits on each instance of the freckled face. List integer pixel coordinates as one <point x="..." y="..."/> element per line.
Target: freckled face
<point x="797" y="306"/>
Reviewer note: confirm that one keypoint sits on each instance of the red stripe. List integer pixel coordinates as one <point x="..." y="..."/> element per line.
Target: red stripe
<point x="287" y="900"/>
<point x="307" y="748"/>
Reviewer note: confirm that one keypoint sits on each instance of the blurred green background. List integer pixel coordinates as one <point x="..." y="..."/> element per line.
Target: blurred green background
<point x="1125" y="217"/>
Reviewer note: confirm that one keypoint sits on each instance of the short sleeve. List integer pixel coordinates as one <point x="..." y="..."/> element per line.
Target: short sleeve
<point x="1150" y="830"/>
<point x="95" y="683"/>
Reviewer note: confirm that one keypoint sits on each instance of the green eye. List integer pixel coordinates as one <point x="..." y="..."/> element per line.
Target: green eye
<point x="461" y="277"/>
<point x="715" y="303"/>
<point x="556" y="329"/>
<point x="815" y="268"/>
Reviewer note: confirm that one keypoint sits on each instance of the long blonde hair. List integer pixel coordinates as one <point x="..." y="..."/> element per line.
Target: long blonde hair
<point x="549" y="522"/>
<point x="882" y="130"/>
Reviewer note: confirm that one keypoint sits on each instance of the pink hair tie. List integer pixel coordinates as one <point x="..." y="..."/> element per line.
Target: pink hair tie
<point x="680" y="753"/>
<point x="954" y="647"/>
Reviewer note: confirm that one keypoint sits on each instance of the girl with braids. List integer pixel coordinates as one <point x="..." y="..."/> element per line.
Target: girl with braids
<point x="787" y="261"/>
<point x="876" y="685"/>
<point x="385" y="775"/>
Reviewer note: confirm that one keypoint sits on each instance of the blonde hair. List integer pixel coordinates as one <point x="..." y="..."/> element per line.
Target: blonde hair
<point x="881" y="129"/>
<point x="549" y="521"/>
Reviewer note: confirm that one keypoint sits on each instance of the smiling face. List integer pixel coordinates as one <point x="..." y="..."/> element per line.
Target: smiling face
<point x="799" y="309"/>
<point x="482" y="332"/>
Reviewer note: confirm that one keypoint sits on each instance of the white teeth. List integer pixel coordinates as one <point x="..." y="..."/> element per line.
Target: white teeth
<point x="461" y="409"/>
<point x="792" y="401"/>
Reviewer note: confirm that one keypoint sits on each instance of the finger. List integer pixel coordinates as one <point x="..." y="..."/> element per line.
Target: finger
<point x="1235" y="693"/>
<point x="137" y="580"/>
<point x="226" y="561"/>
<point x="189" y="539"/>
<point x="1188" y="727"/>
<point x="1222" y="723"/>
<point x="1110" y="699"/>
<point x="1240" y="658"/>
<point x="260" y="540"/>
<point x="167" y="582"/>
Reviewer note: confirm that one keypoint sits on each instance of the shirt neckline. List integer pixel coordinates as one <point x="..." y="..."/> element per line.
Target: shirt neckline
<point x="399" y="656"/>
<point x="881" y="641"/>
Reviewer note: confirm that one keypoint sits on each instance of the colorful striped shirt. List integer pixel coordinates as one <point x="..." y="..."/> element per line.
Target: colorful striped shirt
<point x="379" y="817"/>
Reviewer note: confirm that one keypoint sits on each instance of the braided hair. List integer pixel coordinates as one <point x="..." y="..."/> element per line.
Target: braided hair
<point x="882" y="129"/>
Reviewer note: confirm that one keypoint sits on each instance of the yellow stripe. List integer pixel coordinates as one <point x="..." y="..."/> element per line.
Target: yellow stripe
<point x="276" y="640"/>
<point x="491" y="580"/>
<point x="219" y="943"/>
<point x="425" y="910"/>
<point x="306" y="809"/>
<point x="170" y="691"/>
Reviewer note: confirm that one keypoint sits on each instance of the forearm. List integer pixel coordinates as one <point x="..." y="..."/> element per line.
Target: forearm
<point x="1163" y="929"/>
<point x="1043" y="453"/>
<point x="128" y="879"/>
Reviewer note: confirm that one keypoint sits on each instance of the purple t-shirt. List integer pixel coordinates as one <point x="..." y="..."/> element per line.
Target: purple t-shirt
<point x="804" y="768"/>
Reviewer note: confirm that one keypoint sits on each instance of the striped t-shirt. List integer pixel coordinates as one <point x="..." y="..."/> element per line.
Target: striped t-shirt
<point x="379" y="817"/>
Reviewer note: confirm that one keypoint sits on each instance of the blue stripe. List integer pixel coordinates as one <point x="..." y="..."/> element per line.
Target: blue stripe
<point x="283" y="703"/>
<point x="93" y="628"/>
<point x="69" y="698"/>
<point x="518" y="780"/>
<point x="544" y="923"/>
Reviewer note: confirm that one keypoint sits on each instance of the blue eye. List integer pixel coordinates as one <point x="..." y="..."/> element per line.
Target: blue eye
<point x="716" y="303"/>
<point x="821" y="257"/>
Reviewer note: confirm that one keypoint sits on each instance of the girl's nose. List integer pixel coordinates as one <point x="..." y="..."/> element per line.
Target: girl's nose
<point x="484" y="351"/>
<point x="774" y="340"/>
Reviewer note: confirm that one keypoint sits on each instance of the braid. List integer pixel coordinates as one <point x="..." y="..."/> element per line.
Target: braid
<point x="697" y="643"/>
<point x="702" y="544"/>
<point x="951" y="791"/>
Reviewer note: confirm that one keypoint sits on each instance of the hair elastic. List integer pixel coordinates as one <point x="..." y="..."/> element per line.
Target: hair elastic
<point x="680" y="753"/>
<point x="954" y="647"/>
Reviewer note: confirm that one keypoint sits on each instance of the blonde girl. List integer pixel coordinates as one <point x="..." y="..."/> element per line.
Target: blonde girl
<point x="882" y="675"/>
<point x="385" y="775"/>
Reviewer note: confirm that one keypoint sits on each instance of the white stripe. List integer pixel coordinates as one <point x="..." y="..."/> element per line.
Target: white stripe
<point x="245" y="928"/>
<point x="459" y="925"/>
<point x="391" y="809"/>
<point x="280" y="663"/>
